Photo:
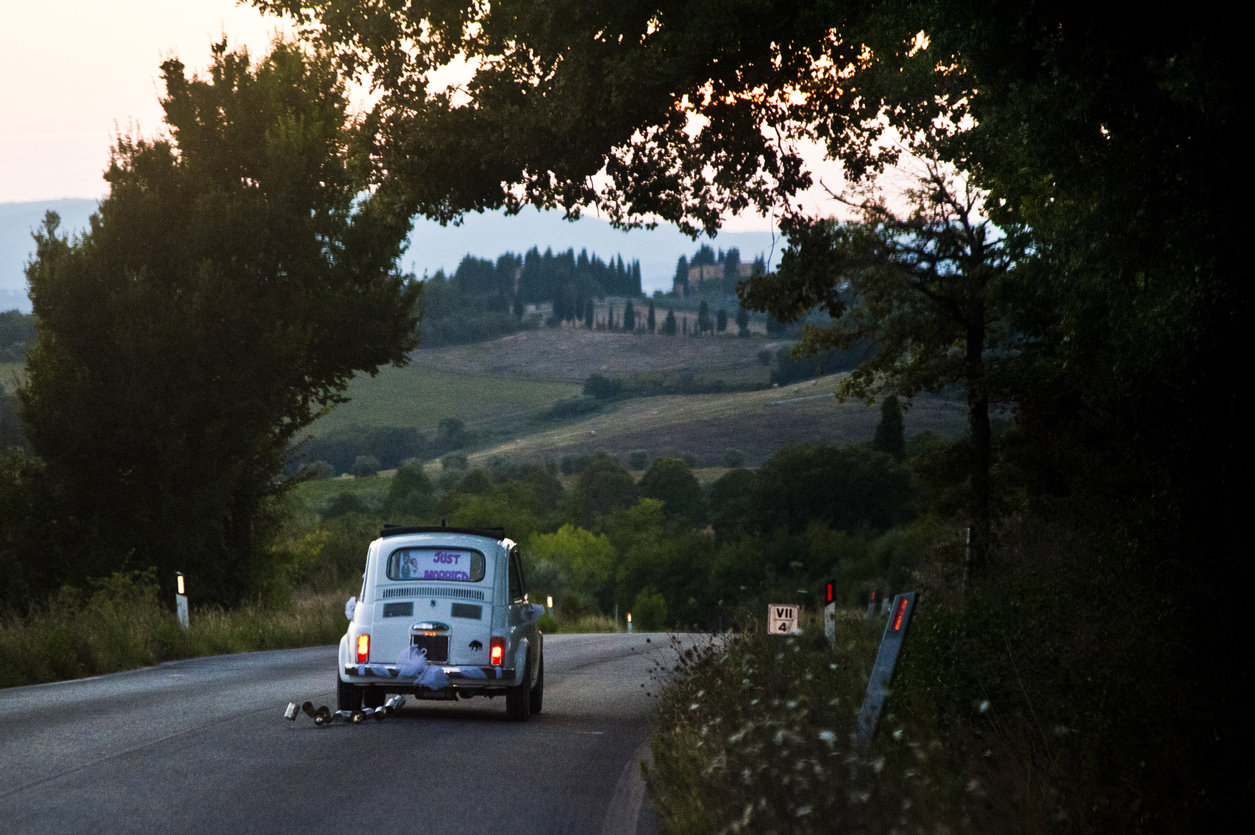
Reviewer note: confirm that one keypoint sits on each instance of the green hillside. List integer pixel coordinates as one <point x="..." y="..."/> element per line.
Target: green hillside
<point x="501" y="385"/>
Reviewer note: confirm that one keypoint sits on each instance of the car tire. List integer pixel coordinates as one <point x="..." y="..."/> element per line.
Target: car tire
<point x="518" y="699"/>
<point x="373" y="696"/>
<point x="348" y="696"/>
<point x="538" y="689"/>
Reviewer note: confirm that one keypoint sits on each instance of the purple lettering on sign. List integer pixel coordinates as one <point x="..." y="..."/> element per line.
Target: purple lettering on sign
<point x="446" y="558"/>
<point x="429" y="574"/>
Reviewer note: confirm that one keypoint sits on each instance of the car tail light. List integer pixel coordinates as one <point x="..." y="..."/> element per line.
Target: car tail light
<point x="497" y="651"/>
<point x="363" y="649"/>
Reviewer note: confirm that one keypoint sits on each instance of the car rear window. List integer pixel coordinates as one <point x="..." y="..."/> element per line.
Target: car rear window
<point x="444" y="564"/>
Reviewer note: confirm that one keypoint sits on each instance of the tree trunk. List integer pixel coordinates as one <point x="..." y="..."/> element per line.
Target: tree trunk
<point x="978" y="424"/>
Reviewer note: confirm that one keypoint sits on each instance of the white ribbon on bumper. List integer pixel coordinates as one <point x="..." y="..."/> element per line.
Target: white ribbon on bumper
<point x="413" y="663"/>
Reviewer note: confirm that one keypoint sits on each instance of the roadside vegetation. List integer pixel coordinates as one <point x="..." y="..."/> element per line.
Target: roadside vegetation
<point x="120" y="623"/>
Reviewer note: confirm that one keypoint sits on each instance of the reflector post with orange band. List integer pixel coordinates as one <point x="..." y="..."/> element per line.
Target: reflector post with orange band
<point x="886" y="662"/>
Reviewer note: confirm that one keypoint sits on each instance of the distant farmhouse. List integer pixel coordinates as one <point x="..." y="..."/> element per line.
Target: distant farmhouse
<point x="711" y="272"/>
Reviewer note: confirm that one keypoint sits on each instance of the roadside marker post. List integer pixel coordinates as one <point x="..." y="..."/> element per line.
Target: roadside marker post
<point x="782" y="618"/>
<point x="180" y="599"/>
<point x="882" y="672"/>
<point x="871" y="605"/>
<point x="830" y="613"/>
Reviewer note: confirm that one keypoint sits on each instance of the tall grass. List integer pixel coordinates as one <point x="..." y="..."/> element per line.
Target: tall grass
<point x="121" y="625"/>
<point x="1029" y="704"/>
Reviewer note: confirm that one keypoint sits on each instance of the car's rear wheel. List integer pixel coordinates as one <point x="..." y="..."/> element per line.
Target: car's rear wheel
<point x="538" y="689"/>
<point x="348" y="696"/>
<point x="518" y="699"/>
<point x="373" y="696"/>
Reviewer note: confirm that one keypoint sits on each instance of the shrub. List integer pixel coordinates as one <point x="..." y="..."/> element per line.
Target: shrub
<point x="603" y="388"/>
<point x="320" y="471"/>
<point x="344" y="504"/>
<point x="572" y="464"/>
<point x="638" y="459"/>
<point x="649" y="610"/>
<point x="453" y="461"/>
<point x="581" y="404"/>
<point x="365" y="465"/>
<point x="733" y="458"/>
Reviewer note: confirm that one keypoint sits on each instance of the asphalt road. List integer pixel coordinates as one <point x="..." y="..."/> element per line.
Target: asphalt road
<point x="202" y="746"/>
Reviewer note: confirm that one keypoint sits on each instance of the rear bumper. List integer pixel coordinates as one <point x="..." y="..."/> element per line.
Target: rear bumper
<point x="465" y="676"/>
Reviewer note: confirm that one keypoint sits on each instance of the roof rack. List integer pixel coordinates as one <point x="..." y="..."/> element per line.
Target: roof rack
<point x="399" y="530"/>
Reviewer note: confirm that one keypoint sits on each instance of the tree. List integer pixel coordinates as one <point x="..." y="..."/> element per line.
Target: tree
<point x="847" y="487"/>
<point x="681" y="281"/>
<point x="672" y="482"/>
<point x="703" y="317"/>
<point x="651" y="321"/>
<point x="890" y="437"/>
<point x="742" y="322"/>
<point x="927" y="290"/>
<point x="721" y="320"/>
<point x="668" y="324"/>
<point x="1108" y="140"/>
<point x="629" y="317"/>
<point x="602" y="487"/>
<point x="231" y="284"/>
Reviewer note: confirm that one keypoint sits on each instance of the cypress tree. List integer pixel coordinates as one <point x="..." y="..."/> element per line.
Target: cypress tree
<point x="890" y="436"/>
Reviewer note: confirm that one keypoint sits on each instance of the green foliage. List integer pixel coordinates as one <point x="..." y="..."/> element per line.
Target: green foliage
<point x="343" y="504"/>
<point x="586" y="562"/>
<point x="669" y="324"/>
<point x="848" y="487"/>
<point x="731" y="501"/>
<point x="10" y="426"/>
<point x="411" y="495"/>
<point x="733" y="458"/>
<point x="583" y="404"/>
<point x="231" y="284"/>
<point x="16" y="331"/>
<point x="119" y="625"/>
<point x="603" y="486"/>
<point x="890" y="435"/>
<point x="638" y="459"/>
<point x="389" y="445"/>
<point x="453" y="462"/>
<point x="649" y="610"/>
<point x="483" y="300"/>
<point x="365" y="465"/>
<point x="603" y="388"/>
<point x="930" y="292"/>
<point x="673" y="483"/>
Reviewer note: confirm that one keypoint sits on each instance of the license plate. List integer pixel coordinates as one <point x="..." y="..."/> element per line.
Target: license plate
<point x="437" y="647"/>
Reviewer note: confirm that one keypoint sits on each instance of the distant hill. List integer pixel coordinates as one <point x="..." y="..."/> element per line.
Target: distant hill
<point x="432" y="246"/>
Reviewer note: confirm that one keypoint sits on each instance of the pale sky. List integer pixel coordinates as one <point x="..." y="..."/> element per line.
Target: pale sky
<point x="74" y="72"/>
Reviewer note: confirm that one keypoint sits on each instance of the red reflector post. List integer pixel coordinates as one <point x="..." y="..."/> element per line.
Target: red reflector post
<point x="830" y="592"/>
<point x="497" y="651"/>
<point x="363" y="649"/>
<point x="898" y="613"/>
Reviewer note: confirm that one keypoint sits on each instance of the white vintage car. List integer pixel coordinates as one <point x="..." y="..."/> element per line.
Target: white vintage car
<point x="443" y="614"/>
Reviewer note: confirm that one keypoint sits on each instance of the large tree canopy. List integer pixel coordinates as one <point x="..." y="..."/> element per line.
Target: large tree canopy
<point x="1108" y="138"/>
<point x="229" y="287"/>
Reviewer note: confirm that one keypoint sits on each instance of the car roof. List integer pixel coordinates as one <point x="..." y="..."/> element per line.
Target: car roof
<point x="401" y="530"/>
